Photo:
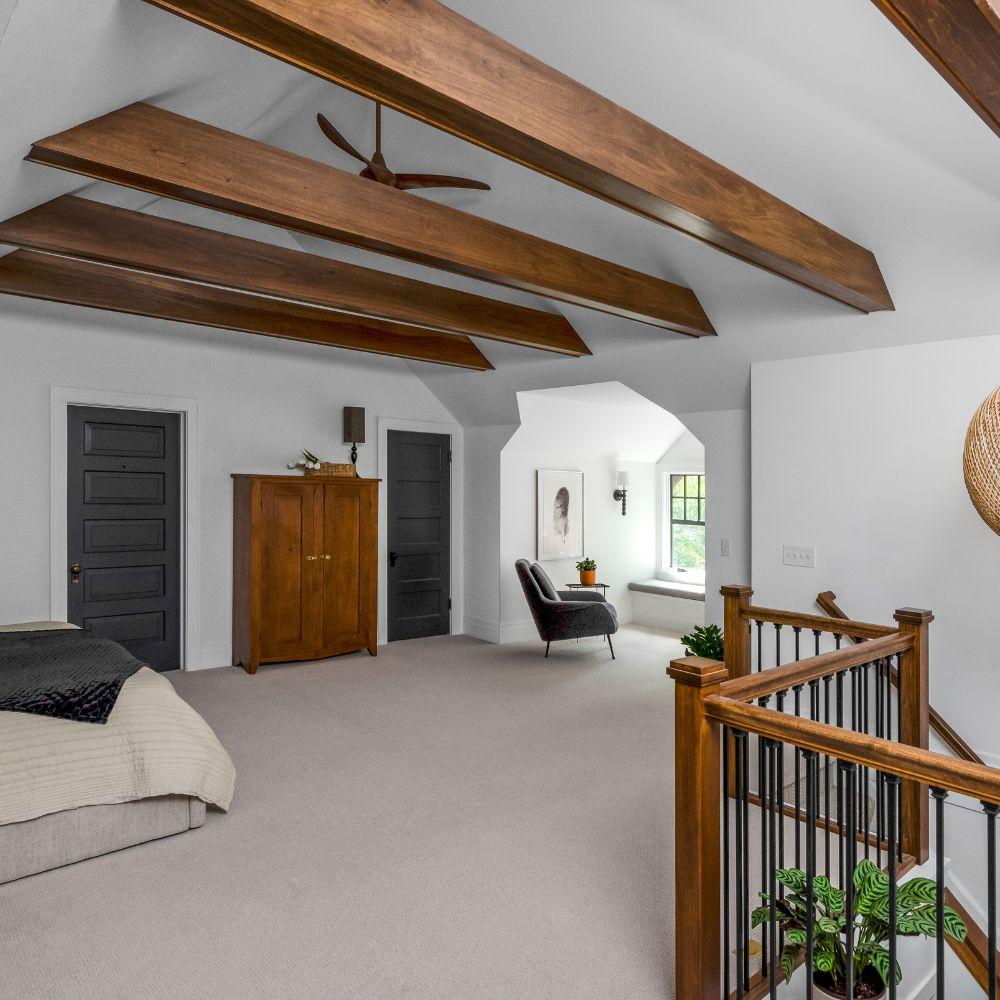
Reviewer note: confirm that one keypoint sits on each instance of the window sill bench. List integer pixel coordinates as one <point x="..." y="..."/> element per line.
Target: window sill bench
<point x="663" y="588"/>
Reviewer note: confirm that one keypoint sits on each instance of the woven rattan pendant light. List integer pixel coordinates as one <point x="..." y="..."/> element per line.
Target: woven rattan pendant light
<point x="981" y="460"/>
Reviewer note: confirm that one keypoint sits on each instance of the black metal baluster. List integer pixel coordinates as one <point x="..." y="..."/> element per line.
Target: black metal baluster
<point x="939" y="795"/>
<point x="816" y="635"/>
<point x="864" y="680"/>
<point x="745" y="806"/>
<point x="780" y="790"/>
<point x="892" y="793"/>
<point x="777" y="644"/>
<point x="991" y="875"/>
<point x="812" y="791"/>
<point x="848" y="774"/>
<point x="760" y="647"/>
<point x="772" y="863"/>
<point x="826" y="771"/>
<point x="797" y="629"/>
<point x="841" y="825"/>
<point x="797" y="690"/>
<point x="899" y="739"/>
<point x="837" y="640"/>
<point x="762" y="800"/>
<point x="879" y="783"/>
<point x="725" y="861"/>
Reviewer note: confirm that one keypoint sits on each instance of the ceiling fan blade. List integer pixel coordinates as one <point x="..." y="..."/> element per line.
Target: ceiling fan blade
<point x="407" y="182"/>
<point x="338" y="140"/>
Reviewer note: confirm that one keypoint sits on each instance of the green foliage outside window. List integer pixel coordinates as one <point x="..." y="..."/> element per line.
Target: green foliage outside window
<point x="687" y="521"/>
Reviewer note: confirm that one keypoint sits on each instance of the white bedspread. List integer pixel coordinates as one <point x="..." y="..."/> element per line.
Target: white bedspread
<point x="154" y="743"/>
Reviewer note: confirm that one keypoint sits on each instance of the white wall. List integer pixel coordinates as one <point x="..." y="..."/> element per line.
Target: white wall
<point x="261" y="400"/>
<point x="860" y="455"/>
<point x="725" y="435"/>
<point x="597" y="430"/>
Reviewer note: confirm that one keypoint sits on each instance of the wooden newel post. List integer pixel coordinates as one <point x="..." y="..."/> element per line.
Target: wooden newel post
<point x="697" y="830"/>
<point x="913" y="727"/>
<point x="737" y="600"/>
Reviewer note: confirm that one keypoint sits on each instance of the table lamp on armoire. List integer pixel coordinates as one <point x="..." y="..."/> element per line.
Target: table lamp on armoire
<point x="354" y="429"/>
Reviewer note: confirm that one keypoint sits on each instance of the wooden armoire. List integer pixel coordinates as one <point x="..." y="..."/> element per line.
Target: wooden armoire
<point x="305" y="568"/>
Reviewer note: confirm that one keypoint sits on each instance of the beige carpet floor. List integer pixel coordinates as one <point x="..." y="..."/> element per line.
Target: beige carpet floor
<point x="450" y="820"/>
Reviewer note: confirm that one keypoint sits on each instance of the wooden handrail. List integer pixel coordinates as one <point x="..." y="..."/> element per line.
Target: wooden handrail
<point x="828" y="602"/>
<point x="925" y="767"/>
<point x="821" y="623"/>
<point x="774" y="679"/>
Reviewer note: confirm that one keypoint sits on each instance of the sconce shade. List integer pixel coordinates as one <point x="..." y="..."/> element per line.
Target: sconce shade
<point x="354" y="425"/>
<point x="623" y="478"/>
<point x="981" y="461"/>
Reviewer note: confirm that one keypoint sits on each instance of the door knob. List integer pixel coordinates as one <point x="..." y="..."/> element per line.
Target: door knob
<point x="74" y="572"/>
<point x="393" y="556"/>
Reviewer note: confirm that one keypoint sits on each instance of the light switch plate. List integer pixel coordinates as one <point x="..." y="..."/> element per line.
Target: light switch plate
<point x="725" y="546"/>
<point x="803" y="556"/>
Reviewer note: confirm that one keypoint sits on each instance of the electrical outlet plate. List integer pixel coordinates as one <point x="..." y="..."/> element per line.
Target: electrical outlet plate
<point x="803" y="556"/>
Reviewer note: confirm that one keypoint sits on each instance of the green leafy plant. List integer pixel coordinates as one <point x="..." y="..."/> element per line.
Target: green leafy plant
<point x="705" y="640"/>
<point x="586" y="564"/>
<point x="916" y="912"/>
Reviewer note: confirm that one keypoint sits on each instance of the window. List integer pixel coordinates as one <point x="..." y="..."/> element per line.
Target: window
<point x="686" y="515"/>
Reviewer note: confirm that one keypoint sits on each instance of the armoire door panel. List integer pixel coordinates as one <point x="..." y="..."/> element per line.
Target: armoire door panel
<point x="290" y="615"/>
<point x="342" y="543"/>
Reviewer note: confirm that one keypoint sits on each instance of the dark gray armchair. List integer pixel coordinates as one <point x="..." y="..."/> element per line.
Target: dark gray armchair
<point x="564" y="614"/>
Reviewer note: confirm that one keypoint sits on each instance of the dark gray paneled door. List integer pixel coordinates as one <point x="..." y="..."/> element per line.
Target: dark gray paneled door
<point x="123" y="529"/>
<point x="418" y="498"/>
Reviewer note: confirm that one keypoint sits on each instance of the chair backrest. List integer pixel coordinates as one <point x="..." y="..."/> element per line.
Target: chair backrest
<point x="533" y="595"/>
<point x="545" y="584"/>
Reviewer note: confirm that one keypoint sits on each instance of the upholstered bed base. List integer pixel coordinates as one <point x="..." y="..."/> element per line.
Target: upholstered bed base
<point x="64" y="837"/>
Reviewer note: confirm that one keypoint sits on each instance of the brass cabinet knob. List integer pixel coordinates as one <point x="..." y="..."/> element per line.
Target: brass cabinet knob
<point x="311" y="558"/>
<point x="327" y="557"/>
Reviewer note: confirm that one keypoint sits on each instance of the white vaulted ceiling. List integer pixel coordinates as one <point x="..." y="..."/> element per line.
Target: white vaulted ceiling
<point x="824" y="105"/>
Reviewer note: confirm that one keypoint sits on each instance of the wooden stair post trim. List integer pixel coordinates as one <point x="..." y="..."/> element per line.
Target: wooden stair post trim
<point x="78" y="227"/>
<point x="828" y="602"/>
<point x="698" y="829"/>
<point x="150" y="149"/>
<point x="736" y="635"/>
<point x="61" y="279"/>
<point x="914" y="682"/>
<point x="435" y="65"/>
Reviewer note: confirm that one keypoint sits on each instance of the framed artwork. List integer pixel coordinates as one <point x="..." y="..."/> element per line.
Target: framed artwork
<point x="560" y="514"/>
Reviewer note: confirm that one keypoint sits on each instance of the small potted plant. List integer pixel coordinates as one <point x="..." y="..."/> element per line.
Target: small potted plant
<point x="706" y="641"/>
<point x="588" y="572"/>
<point x="916" y="912"/>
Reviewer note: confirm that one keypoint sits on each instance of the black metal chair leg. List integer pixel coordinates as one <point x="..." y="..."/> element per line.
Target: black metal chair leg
<point x="612" y="648"/>
<point x="547" y="650"/>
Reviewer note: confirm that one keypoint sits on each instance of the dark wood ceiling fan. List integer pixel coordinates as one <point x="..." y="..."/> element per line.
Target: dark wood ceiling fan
<point x="376" y="169"/>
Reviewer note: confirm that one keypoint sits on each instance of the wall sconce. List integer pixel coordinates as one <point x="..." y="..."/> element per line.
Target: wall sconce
<point x="621" y="492"/>
<point x="354" y="429"/>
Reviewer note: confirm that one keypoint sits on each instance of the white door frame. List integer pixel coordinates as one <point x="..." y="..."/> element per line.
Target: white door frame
<point x="454" y="431"/>
<point x="59" y="399"/>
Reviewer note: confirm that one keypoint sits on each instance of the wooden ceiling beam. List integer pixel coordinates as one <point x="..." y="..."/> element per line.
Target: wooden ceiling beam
<point x="167" y="154"/>
<point x="77" y="227"/>
<point x="961" y="40"/>
<point x="61" y="279"/>
<point x="424" y="59"/>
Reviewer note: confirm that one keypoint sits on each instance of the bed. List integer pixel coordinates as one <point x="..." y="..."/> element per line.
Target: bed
<point x="72" y="790"/>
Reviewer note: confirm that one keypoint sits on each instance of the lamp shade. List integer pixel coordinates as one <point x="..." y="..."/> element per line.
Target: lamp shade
<point x="623" y="478"/>
<point x="354" y="425"/>
<point x="981" y="461"/>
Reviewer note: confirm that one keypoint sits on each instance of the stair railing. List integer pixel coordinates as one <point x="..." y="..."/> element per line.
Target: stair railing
<point x="721" y="715"/>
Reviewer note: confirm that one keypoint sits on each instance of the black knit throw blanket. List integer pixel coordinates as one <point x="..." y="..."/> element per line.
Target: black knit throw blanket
<point x="63" y="673"/>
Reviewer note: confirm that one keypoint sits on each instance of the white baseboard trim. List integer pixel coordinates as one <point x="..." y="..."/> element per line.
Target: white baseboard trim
<point x="214" y="654"/>
<point x="479" y="628"/>
<point x="522" y="631"/>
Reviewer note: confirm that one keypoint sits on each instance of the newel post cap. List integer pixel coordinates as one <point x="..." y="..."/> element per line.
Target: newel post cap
<point x="736" y="590"/>
<point x="697" y="671"/>
<point x="913" y="616"/>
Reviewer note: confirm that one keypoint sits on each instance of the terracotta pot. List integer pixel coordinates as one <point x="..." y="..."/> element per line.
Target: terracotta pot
<point x="588" y="577"/>
<point x="868" y="987"/>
